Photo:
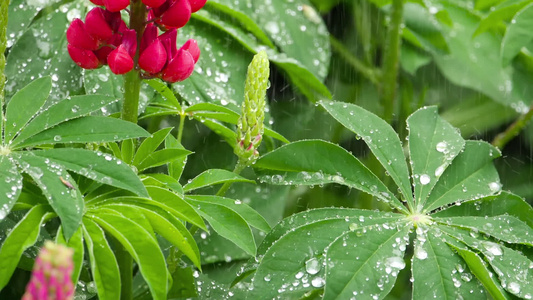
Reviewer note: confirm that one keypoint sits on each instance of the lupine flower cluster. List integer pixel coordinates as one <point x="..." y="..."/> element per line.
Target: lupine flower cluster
<point x="51" y="275"/>
<point x="105" y="39"/>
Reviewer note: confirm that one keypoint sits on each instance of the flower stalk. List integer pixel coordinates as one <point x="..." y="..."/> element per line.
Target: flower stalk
<point x="3" y="44"/>
<point x="513" y="130"/>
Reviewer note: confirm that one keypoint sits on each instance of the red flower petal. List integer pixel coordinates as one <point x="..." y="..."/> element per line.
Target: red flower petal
<point x="116" y="5"/>
<point x="153" y="58"/>
<point x="192" y="46"/>
<point x="96" y="24"/>
<point x="177" y="15"/>
<point x="120" y="62"/>
<point x="196" y="5"/>
<point x="180" y="68"/>
<point x="83" y="58"/>
<point x="98" y="2"/>
<point x="149" y="36"/>
<point x="153" y="3"/>
<point x="78" y="36"/>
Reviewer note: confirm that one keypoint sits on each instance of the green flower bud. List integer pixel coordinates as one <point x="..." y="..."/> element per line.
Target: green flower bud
<point x="250" y="126"/>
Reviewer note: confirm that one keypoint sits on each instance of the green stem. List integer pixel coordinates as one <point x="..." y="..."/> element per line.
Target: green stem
<point x="3" y="44"/>
<point x="390" y="60"/>
<point x="238" y="169"/>
<point x="370" y="73"/>
<point x="180" y="128"/>
<point x="513" y="130"/>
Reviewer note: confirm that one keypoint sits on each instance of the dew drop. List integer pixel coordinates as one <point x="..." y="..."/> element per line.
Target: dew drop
<point x="312" y="266"/>
<point x="424" y="179"/>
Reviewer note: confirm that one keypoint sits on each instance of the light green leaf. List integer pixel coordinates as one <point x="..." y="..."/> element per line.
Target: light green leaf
<point x="412" y="59"/>
<point x="161" y="157"/>
<point x="163" y="89"/>
<point x="433" y="144"/>
<point x="423" y="27"/>
<point x="86" y="130"/>
<point x="382" y="140"/>
<point x="10" y="185"/>
<point x="502" y="12"/>
<point x="162" y="180"/>
<point x="294" y="251"/>
<point x="76" y="243"/>
<point x="213" y="177"/>
<point x="67" y="109"/>
<point x="149" y="145"/>
<point x="470" y="176"/>
<point x="439" y="272"/>
<point x="228" y="223"/>
<point x="97" y="166"/>
<point x="21" y="237"/>
<point x="252" y="217"/>
<point x="104" y="266"/>
<point x="142" y="247"/>
<point x="518" y="34"/>
<point x="372" y="268"/>
<point x="175" y="168"/>
<point x="25" y="104"/>
<point x="51" y="178"/>
<point x="315" y="162"/>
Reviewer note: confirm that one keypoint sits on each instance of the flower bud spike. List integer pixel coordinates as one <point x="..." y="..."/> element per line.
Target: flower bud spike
<point x="250" y="125"/>
<point x="120" y="61"/>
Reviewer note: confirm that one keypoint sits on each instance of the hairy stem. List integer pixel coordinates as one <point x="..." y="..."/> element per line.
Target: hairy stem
<point x="513" y="130"/>
<point x="391" y="60"/>
<point x="370" y="73"/>
<point x="3" y="44"/>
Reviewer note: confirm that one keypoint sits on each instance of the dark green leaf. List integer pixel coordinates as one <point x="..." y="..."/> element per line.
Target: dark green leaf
<point x="163" y="89"/>
<point x="502" y="12"/>
<point x="149" y="145"/>
<point x="10" y="185"/>
<point x="161" y="157"/>
<point x="76" y="243"/>
<point x="213" y="177"/>
<point x="175" y="168"/>
<point x="518" y="34"/>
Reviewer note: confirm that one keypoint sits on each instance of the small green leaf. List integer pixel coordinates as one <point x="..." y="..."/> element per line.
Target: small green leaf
<point x="470" y="176"/>
<point x="149" y="145"/>
<point x="25" y="104"/>
<point x="213" y="177"/>
<point x="252" y="217"/>
<point x="62" y="111"/>
<point x="142" y="247"/>
<point x="229" y="135"/>
<point x="58" y="188"/>
<point x="433" y="144"/>
<point x="175" y="168"/>
<point x="518" y="34"/>
<point x="164" y="91"/>
<point x="315" y="162"/>
<point x="87" y="130"/>
<point x="21" y="237"/>
<point x="161" y="157"/>
<point x="76" y="243"/>
<point x="162" y="180"/>
<point x="382" y="140"/>
<point x="228" y="223"/>
<point x="104" y="266"/>
<point x="10" y="185"/>
<point x="97" y="166"/>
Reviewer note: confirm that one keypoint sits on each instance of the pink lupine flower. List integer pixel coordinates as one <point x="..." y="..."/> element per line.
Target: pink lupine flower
<point x="179" y="68"/>
<point x="51" y="275"/>
<point x="83" y="58"/>
<point x="78" y="36"/>
<point x="196" y="5"/>
<point x="153" y="3"/>
<point x="102" y="24"/>
<point x="112" y="5"/>
<point x="173" y="13"/>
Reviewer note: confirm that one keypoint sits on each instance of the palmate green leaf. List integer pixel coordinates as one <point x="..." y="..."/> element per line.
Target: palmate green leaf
<point x="380" y="138"/>
<point x="64" y="110"/>
<point x="512" y="267"/>
<point x="162" y="180"/>
<point x="161" y="157"/>
<point x="228" y="223"/>
<point x="212" y="177"/>
<point x="97" y="166"/>
<point x="142" y="247"/>
<point x="66" y="200"/>
<point x="291" y="257"/>
<point x="76" y="243"/>
<point x="373" y="268"/>
<point x="433" y="144"/>
<point x="175" y="168"/>
<point x="104" y="266"/>
<point x="470" y="176"/>
<point x="252" y="217"/>
<point x="21" y="237"/>
<point x="10" y="185"/>
<point x="86" y="130"/>
<point x="163" y="89"/>
<point x="25" y="104"/>
<point x="423" y="27"/>
<point x="315" y="162"/>
<point x="227" y="134"/>
<point x="439" y="272"/>
<point x="502" y="12"/>
<point x="149" y="145"/>
<point x="517" y="34"/>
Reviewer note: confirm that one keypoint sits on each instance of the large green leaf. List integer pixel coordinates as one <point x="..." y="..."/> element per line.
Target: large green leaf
<point x="315" y="162"/>
<point x="380" y="138"/>
<point x="21" y="237"/>
<point x="433" y="144"/>
<point x="67" y="109"/>
<point x="291" y="258"/>
<point x="25" y="104"/>
<point x="502" y="12"/>
<point x="371" y="269"/>
<point x="161" y="157"/>
<point x="470" y="176"/>
<point x="149" y="145"/>
<point x="58" y="188"/>
<point x="76" y="243"/>
<point x="10" y="185"/>
<point x="141" y="246"/>
<point x="104" y="267"/>
<point x="86" y="130"/>
<point x="97" y="166"/>
<point x="517" y="34"/>
<point x="212" y="177"/>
